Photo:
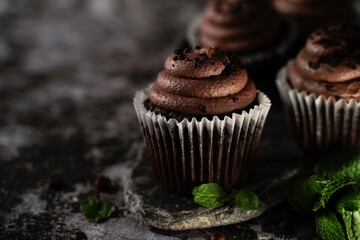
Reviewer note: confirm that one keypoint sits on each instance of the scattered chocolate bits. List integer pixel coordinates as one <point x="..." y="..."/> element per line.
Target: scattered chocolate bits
<point x="77" y="235"/>
<point x="197" y="47"/>
<point x="314" y="65"/>
<point x="175" y="58"/>
<point x="196" y="65"/>
<point x="202" y="108"/>
<point x="187" y="50"/>
<point x="56" y="181"/>
<point x="235" y="100"/>
<point x="218" y="236"/>
<point x="102" y="183"/>
<point x="351" y="65"/>
<point x="345" y="41"/>
<point x="329" y="87"/>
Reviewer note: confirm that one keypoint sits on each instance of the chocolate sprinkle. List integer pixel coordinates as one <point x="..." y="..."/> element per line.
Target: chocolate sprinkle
<point x="346" y="43"/>
<point x="77" y="235"/>
<point x="314" y="65"/>
<point x="351" y="65"/>
<point x="329" y="87"/>
<point x="202" y="108"/>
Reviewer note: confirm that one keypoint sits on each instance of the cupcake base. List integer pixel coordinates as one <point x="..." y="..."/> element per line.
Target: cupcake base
<point x="319" y="123"/>
<point x="184" y="154"/>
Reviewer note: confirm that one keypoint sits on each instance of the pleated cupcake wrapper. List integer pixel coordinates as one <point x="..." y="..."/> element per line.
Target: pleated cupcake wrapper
<point x="186" y="154"/>
<point x="254" y="58"/>
<point x="319" y="122"/>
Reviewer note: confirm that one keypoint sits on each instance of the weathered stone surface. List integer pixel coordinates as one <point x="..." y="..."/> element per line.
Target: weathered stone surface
<point x="68" y="72"/>
<point x="157" y="208"/>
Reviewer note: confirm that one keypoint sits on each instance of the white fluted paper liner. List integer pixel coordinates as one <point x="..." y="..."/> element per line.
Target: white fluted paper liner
<point x="319" y="122"/>
<point x="186" y="154"/>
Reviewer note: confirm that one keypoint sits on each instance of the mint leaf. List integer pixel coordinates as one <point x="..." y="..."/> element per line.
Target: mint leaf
<point x="330" y="189"/>
<point x="246" y="200"/>
<point x="328" y="226"/>
<point x="339" y="164"/>
<point x="95" y="209"/>
<point x="349" y="208"/>
<point x="210" y="195"/>
<point x="304" y="194"/>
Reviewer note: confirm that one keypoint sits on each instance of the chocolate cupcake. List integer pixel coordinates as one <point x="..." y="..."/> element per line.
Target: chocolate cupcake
<point x="321" y="90"/>
<point x="252" y="30"/>
<point x="201" y="120"/>
<point x="314" y="14"/>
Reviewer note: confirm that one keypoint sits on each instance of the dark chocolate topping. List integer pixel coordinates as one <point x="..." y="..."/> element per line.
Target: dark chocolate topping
<point x="238" y="25"/>
<point x="329" y="64"/>
<point x="202" y="82"/>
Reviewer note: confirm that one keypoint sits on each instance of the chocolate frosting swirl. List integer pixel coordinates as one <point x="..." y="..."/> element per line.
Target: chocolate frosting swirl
<point x="202" y="82"/>
<point x="329" y="64"/>
<point x="238" y="25"/>
<point x="313" y="14"/>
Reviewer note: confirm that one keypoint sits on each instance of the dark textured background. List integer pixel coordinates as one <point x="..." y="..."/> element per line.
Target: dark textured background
<point x="68" y="72"/>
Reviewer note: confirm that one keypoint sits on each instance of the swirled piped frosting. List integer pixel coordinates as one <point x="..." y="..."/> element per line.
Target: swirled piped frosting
<point x="239" y="25"/>
<point x="329" y="64"/>
<point x="202" y="82"/>
<point x="314" y="14"/>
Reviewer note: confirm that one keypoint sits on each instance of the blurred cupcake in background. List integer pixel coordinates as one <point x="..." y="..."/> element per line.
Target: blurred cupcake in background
<point x="250" y="28"/>
<point x="310" y="15"/>
<point x="320" y="89"/>
<point x="201" y="120"/>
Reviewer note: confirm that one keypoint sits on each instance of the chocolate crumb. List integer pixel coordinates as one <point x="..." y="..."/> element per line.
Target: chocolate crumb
<point x="196" y="65"/>
<point x="175" y="58"/>
<point x="77" y="235"/>
<point x="197" y="47"/>
<point x="351" y="65"/>
<point x="329" y="87"/>
<point x="173" y="65"/>
<point x="56" y="182"/>
<point x="218" y="236"/>
<point x="102" y="183"/>
<point x="314" y="65"/>
<point x="187" y="50"/>
<point x="202" y="108"/>
<point x="212" y="63"/>
<point x="178" y="52"/>
<point x="235" y="99"/>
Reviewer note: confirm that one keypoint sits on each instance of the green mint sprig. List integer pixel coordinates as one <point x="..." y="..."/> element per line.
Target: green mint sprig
<point x="349" y="208"/>
<point x="328" y="226"/>
<point x="96" y="210"/>
<point x="212" y="195"/>
<point x="330" y="189"/>
<point x="333" y="195"/>
<point x="339" y="164"/>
